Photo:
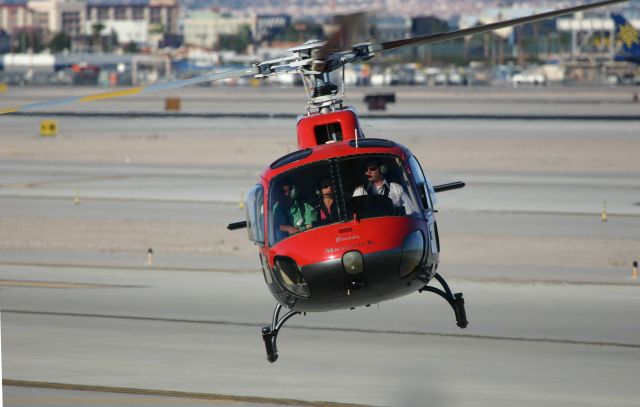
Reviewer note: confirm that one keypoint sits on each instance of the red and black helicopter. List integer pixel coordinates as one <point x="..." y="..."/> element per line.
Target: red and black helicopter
<point x="344" y="221"/>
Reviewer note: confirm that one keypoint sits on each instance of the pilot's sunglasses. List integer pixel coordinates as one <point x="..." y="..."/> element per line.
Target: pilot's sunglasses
<point x="372" y="168"/>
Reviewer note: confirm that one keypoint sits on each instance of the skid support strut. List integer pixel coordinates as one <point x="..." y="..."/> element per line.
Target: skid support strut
<point x="455" y="300"/>
<point x="270" y="332"/>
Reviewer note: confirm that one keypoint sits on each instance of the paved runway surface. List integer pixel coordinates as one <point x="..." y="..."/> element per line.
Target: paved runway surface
<point x="552" y="307"/>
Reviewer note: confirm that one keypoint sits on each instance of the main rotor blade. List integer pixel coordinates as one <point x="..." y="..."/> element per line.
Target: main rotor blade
<point x="434" y="38"/>
<point x="156" y="87"/>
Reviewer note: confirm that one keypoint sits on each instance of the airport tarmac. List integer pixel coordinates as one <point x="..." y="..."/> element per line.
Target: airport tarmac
<point x="579" y="100"/>
<point x="550" y="298"/>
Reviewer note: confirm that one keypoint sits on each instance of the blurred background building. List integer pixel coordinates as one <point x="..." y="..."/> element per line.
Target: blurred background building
<point x="199" y="34"/>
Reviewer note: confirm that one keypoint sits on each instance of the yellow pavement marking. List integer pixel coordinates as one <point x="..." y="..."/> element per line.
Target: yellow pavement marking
<point x="112" y="94"/>
<point x="38" y="184"/>
<point x="17" y="186"/>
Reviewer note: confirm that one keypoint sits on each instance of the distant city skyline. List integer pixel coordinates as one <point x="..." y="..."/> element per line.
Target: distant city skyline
<point x="409" y="8"/>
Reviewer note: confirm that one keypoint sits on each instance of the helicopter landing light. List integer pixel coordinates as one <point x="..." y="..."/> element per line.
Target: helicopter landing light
<point x="353" y="262"/>
<point x="412" y="253"/>
<point x="288" y="272"/>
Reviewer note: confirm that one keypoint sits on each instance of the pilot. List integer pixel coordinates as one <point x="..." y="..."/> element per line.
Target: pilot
<point x="290" y="213"/>
<point x="326" y="205"/>
<point x="377" y="184"/>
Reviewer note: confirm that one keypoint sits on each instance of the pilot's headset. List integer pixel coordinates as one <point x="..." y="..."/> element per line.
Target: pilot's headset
<point x="294" y="193"/>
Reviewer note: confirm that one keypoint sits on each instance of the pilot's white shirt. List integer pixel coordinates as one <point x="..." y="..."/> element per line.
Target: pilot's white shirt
<point x="396" y="194"/>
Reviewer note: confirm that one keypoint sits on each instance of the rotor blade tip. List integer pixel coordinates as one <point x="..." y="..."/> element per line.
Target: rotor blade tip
<point x="8" y="110"/>
<point x="112" y="94"/>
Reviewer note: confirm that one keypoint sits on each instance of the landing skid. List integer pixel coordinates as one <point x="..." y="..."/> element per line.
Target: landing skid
<point x="455" y="300"/>
<point x="270" y="332"/>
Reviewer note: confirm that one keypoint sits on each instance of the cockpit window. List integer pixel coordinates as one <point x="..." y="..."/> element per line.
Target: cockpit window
<point x="294" y="201"/>
<point x="337" y="190"/>
<point x="378" y="186"/>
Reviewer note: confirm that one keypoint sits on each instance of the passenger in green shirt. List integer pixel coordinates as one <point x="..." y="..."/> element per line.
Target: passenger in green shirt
<point x="291" y="214"/>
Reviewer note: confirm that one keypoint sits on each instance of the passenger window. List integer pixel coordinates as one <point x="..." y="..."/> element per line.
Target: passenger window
<point x="255" y="214"/>
<point x="427" y="193"/>
<point x="300" y="200"/>
<point x="420" y="181"/>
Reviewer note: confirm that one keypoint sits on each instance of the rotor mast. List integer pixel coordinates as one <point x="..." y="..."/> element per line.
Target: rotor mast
<point x="323" y="95"/>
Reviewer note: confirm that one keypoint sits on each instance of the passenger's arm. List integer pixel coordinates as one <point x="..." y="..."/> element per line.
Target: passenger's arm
<point x="289" y="229"/>
<point x="310" y="215"/>
<point x="281" y="223"/>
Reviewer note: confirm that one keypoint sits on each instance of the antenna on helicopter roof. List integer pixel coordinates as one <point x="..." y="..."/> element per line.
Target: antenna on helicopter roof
<point x="343" y="81"/>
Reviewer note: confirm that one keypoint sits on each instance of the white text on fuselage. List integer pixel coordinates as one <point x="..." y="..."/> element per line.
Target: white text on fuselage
<point x="353" y="245"/>
<point x="346" y="238"/>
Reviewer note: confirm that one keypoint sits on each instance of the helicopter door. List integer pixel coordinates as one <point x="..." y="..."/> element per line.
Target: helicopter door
<point x="255" y="214"/>
<point x="427" y="198"/>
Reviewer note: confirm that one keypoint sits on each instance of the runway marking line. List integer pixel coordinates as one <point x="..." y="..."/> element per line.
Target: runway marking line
<point x="51" y="284"/>
<point x="631" y="117"/>
<point x="506" y="280"/>
<point x="176" y="394"/>
<point x="333" y="329"/>
<point x="122" y="268"/>
<point x="38" y="184"/>
<point x="18" y="186"/>
<point x="108" y="401"/>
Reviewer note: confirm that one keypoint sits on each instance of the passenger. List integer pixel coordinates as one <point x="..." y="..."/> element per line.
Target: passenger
<point x="290" y="214"/>
<point x="326" y="205"/>
<point x="377" y="184"/>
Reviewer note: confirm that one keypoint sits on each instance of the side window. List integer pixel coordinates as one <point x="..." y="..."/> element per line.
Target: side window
<point x="301" y="199"/>
<point x="432" y="192"/>
<point x="421" y="182"/>
<point x="255" y="214"/>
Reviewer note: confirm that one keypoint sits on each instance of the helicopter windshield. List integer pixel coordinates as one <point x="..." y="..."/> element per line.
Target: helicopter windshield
<point x="337" y="190"/>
